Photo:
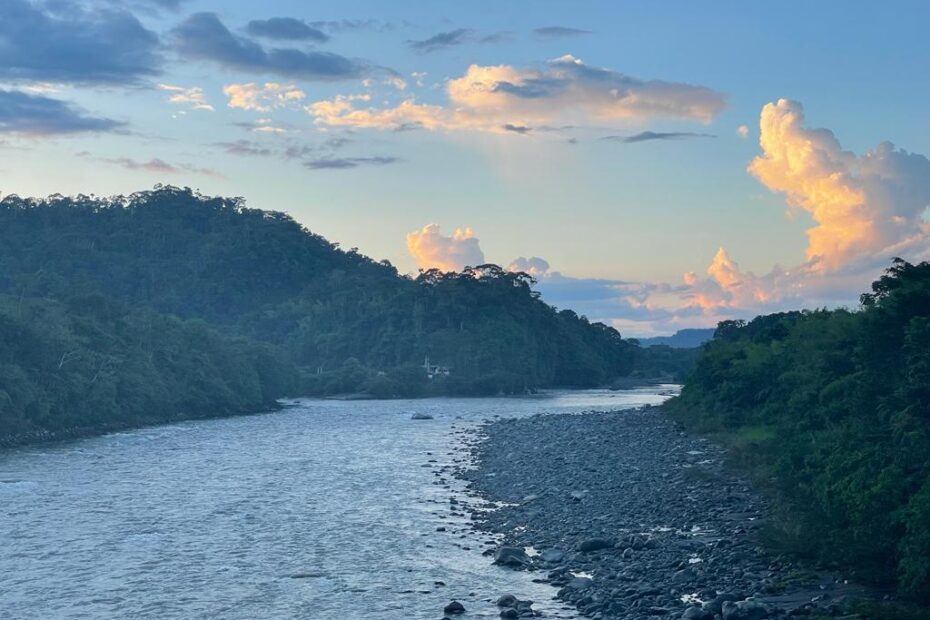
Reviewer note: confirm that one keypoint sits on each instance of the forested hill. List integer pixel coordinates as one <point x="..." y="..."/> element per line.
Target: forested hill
<point x="341" y="321"/>
<point x="831" y="409"/>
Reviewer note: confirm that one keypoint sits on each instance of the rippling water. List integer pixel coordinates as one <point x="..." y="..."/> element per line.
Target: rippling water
<point x="325" y="510"/>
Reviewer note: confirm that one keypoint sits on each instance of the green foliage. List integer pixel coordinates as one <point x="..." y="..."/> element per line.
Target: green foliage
<point x="89" y="364"/>
<point x="833" y="408"/>
<point x="189" y="303"/>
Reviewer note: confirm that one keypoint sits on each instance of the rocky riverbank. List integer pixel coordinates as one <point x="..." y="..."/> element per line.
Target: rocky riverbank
<point x="630" y="518"/>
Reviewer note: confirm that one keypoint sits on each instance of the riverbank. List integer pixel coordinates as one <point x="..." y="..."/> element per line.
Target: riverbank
<point x="630" y="518"/>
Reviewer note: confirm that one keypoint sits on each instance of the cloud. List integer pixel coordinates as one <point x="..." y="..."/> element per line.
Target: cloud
<point x="191" y="97"/>
<point x="564" y="92"/>
<point x="861" y="205"/>
<point x="521" y="129"/>
<point x="742" y="131"/>
<point x="202" y="36"/>
<point x="160" y="166"/>
<point x="343" y="163"/>
<point x="443" y="40"/>
<point x="535" y="266"/>
<point x="647" y="136"/>
<point x="262" y="98"/>
<point x="286" y="28"/>
<point x="431" y="249"/>
<point x="559" y="32"/>
<point x="342" y="25"/>
<point x="64" y="42"/>
<point x="243" y="147"/>
<point x="39" y="116"/>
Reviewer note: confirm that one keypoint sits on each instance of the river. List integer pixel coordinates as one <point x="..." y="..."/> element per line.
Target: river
<point x="324" y="510"/>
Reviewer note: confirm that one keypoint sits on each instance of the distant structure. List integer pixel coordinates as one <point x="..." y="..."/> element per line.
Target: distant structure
<point x="435" y="371"/>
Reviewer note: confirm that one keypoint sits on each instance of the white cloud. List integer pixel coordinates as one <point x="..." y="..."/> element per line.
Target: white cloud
<point x="431" y="249"/>
<point x="743" y="131"/>
<point x="262" y="98"/>
<point x="565" y="91"/>
<point x="192" y="97"/>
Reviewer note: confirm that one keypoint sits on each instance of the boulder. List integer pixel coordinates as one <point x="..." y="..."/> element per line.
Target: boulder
<point x="552" y="556"/>
<point x="749" y="609"/>
<point x="511" y="556"/>
<point x="454" y="608"/>
<point x="697" y="613"/>
<point x="507" y="600"/>
<point x="595" y="544"/>
<point x="421" y="416"/>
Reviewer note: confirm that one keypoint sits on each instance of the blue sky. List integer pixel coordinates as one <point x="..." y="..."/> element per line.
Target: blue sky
<point x="612" y="140"/>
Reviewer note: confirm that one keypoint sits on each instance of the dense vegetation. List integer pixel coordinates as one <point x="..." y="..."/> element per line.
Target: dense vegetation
<point x="90" y="364"/>
<point x="832" y="409"/>
<point x="170" y="303"/>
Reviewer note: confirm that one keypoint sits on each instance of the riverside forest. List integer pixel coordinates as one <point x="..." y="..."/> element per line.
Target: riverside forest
<point x="169" y="304"/>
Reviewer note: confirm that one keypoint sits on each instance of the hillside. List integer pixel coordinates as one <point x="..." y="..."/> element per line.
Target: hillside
<point x="682" y="339"/>
<point x="341" y="322"/>
<point x="831" y="411"/>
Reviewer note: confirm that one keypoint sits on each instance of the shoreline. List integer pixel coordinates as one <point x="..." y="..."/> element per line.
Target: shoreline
<point x="629" y="517"/>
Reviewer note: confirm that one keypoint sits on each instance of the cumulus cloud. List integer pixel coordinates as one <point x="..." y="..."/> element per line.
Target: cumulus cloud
<point x="647" y="136"/>
<point x="431" y="249"/>
<point x="29" y="115"/>
<point x="535" y="266"/>
<point x="743" y="131"/>
<point x="262" y="98"/>
<point x="286" y="28"/>
<point x="565" y="92"/>
<point x="202" y="36"/>
<point x="866" y="210"/>
<point x="559" y="32"/>
<point x="861" y="205"/>
<point x="66" y="42"/>
<point x="190" y="97"/>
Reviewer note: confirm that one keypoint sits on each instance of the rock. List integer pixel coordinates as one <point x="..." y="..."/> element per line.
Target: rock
<point x="511" y="556"/>
<point x="697" y="613"/>
<point x="552" y="556"/>
<point x="595" y="544"/>
<point x="454" y="608"/>
<point x="507" y="600"/>
<point x="510" y="612"/>
<point x="421" y="416"/>
<point x="580" y="583"/>
<point x="749" y="609"/>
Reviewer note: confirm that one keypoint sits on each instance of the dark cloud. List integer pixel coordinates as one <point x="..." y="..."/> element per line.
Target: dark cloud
<point x="341" y="25"/>
<point x="66" y="42"/>
<point x="203" y="36"/>
<point x="343" y="163"/>
<point x="498" y="37"/>
<point x="286" y="28"/>
<point x="646" y="136"/>
<point x="443" y="40"/>
<point x="36" y="115"/>
<point x="559" y="32"/>
<point x="520" y="129"/>
<point x="160" y="166"/>
<point x="243" y="147"/>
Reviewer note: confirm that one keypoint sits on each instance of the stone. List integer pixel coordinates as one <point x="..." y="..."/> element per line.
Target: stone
<point x="552" y="556"/>
<point x="595" y="544"/>
<point x="507" y="600"/>
<point x="421" y="416"/>
<point x="697" y="613"/>
<point x="748" y="609"/>
<point x="511" y="556"/>
<point x="454" y="608"/>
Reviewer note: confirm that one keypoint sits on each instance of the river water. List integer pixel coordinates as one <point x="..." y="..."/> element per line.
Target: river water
<point x="326" y="510"/>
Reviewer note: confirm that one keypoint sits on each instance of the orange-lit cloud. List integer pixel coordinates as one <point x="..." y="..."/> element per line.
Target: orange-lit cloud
<point x="192" y="97"/>
<point x="861" y="204"/>
<point x="262" y="98"/>
<point x="565" y="91"/>
<point x="431" y="249"/>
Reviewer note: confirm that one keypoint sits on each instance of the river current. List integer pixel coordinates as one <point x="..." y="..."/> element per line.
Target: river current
<point x="325" y="510"/>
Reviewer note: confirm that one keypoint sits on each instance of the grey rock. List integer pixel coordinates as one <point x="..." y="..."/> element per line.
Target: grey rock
<point x="454" y="608"/>
<point x="511" y="556"/>
<point x="595" y="544"/>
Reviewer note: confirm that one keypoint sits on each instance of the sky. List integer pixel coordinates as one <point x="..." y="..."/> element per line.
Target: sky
<point x="655" y="166"/>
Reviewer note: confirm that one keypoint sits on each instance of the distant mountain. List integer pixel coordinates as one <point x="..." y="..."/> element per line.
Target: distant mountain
<point x="682" y="339"/>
